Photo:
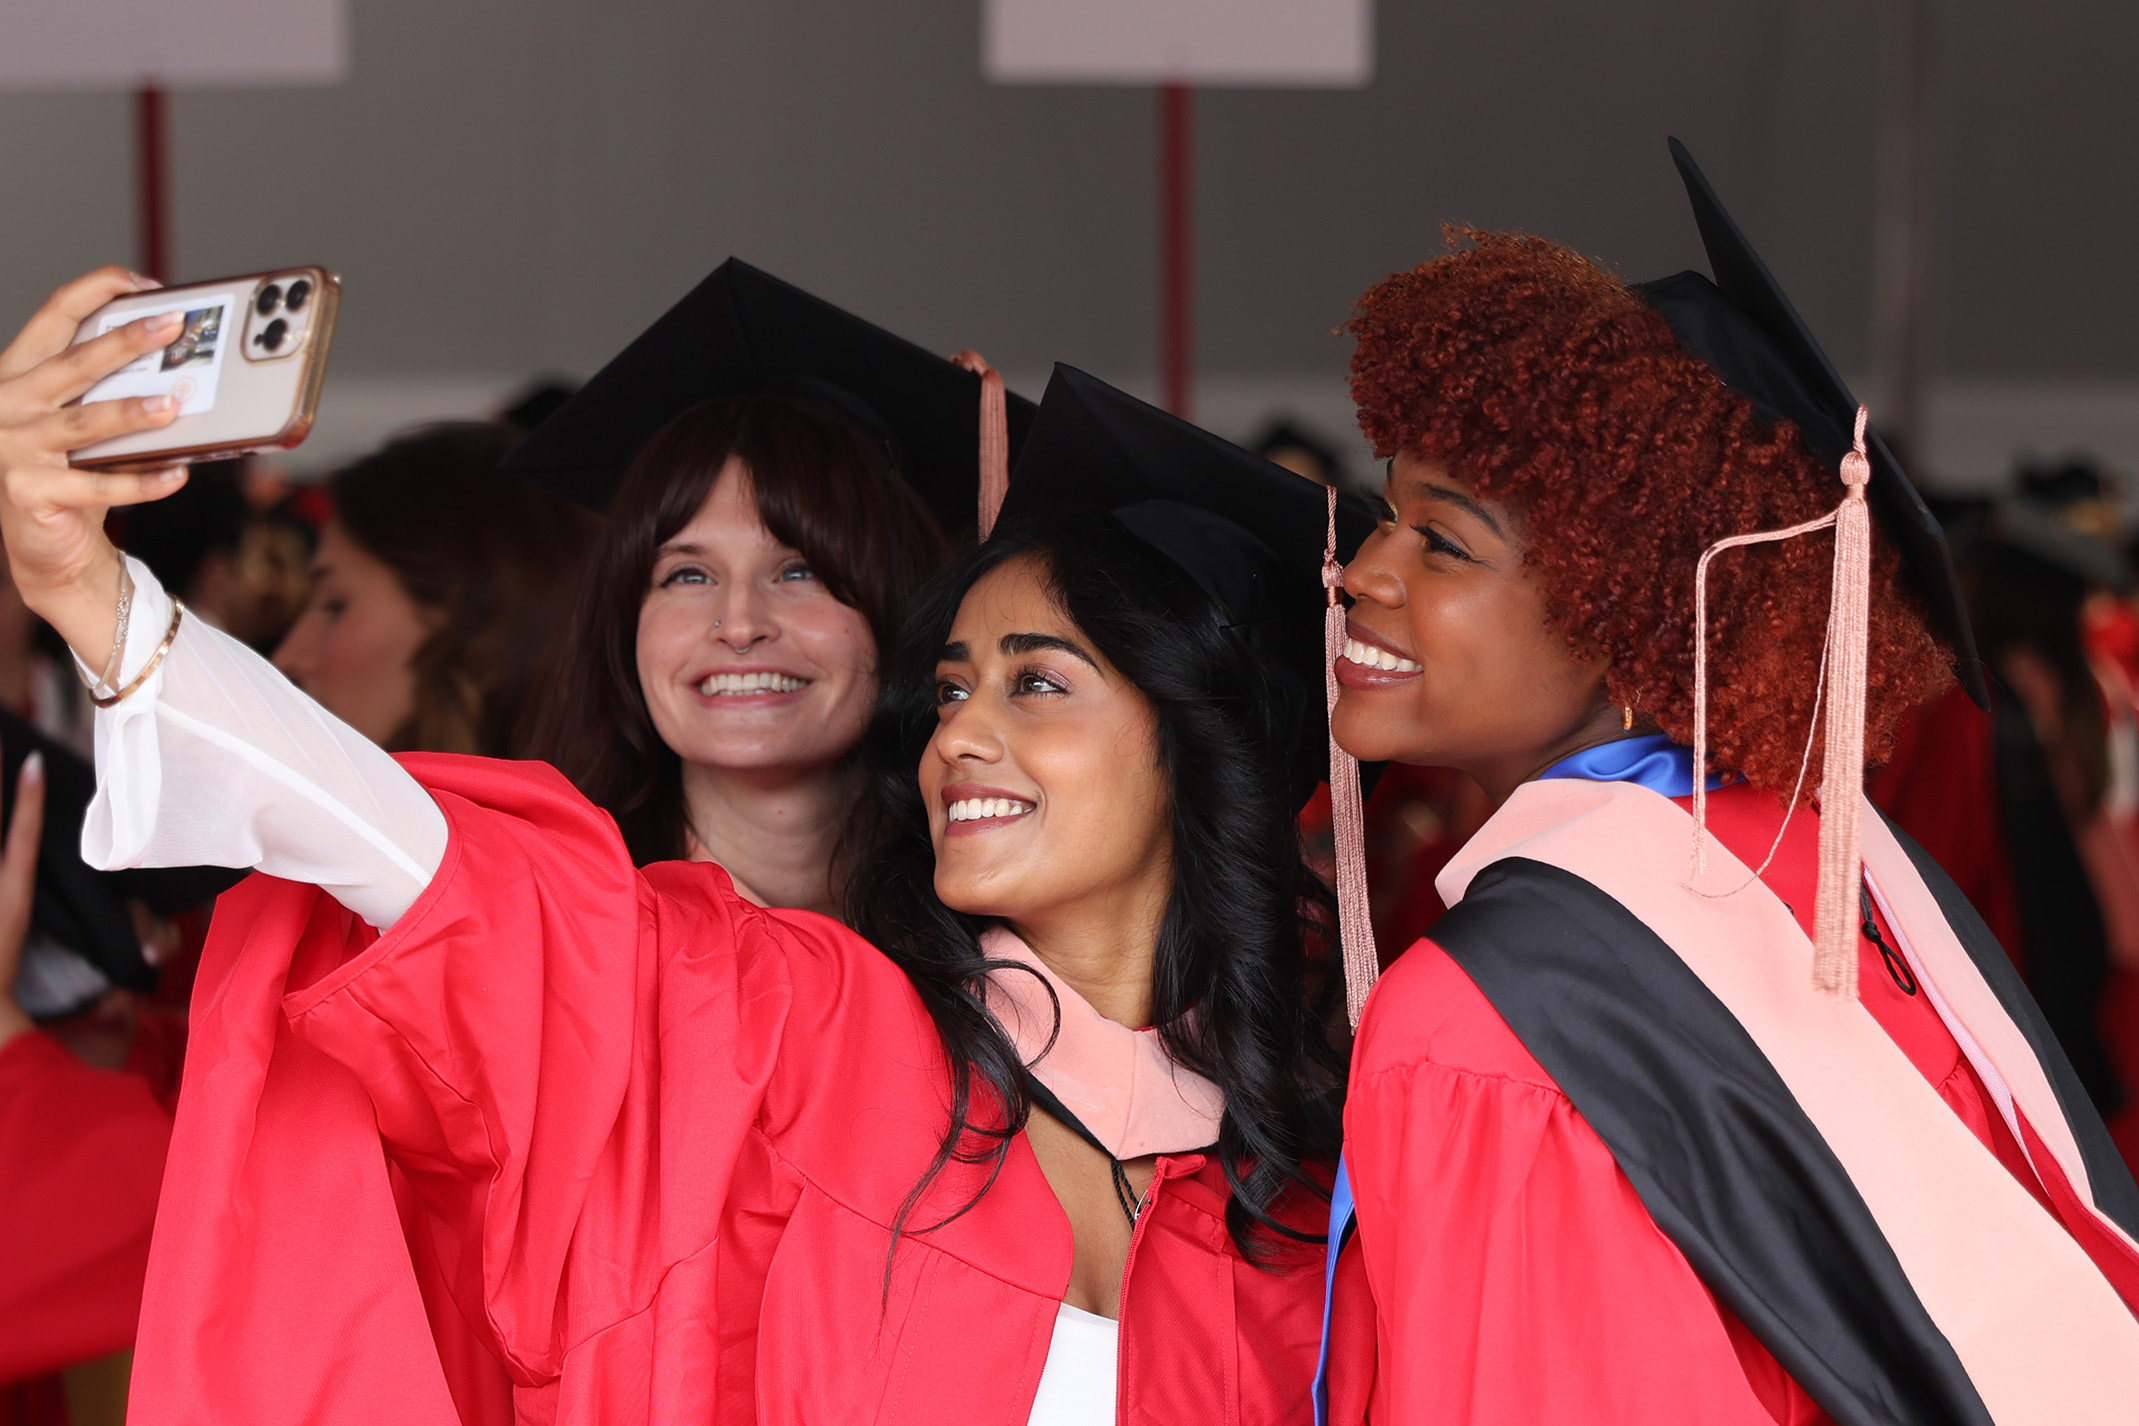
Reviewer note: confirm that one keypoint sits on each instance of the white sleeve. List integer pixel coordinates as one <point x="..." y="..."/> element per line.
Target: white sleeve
<point x="216" y="760"/>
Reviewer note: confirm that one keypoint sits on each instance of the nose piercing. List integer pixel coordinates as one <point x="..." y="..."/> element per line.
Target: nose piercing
<point x="716" y="623"/>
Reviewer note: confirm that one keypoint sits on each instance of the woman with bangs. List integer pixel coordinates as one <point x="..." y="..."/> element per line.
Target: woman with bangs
<point x="1710" y="1099"/>
<point x="778" y="476"/>
<point x="722" y="662"/>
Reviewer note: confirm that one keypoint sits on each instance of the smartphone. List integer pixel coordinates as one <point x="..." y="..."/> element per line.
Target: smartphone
<point x="245" y="368"/>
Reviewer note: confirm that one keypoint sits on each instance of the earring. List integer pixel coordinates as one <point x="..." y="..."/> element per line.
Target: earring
<point x="1626" y="718"/>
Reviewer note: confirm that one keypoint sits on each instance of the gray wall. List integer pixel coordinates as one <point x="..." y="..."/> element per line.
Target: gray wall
<point x="509" y="185"/>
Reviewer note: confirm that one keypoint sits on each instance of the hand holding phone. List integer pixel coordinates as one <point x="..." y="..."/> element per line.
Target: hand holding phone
<point x="51" y="513"/>
<point x="245" y="364"/>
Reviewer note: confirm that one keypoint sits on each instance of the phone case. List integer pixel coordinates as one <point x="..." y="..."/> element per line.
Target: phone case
<point x="246" y="368"/>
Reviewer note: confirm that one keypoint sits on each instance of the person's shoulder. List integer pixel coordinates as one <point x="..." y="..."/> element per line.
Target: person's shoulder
<point x="828" y="962"/>
<point x="1426" y="1011"/>
<point x="839" y="960"/>
<point x="472" y="776"/>
<point x="519" y="800"/>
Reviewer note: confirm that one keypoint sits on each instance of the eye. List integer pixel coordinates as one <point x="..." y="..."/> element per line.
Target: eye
<point x="796" y="571"/>
<point x="685" y="574"/>
<point x="1384" y="512"/>
<point x="949" y="692"/>
<point x="1033" y="681"/>
<point x="1439" y="544"/>
<point x="333" y="608"/>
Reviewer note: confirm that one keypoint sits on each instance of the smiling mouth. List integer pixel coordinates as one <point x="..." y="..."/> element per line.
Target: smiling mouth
<point x="987" y="809"/>
<point x="750" y="685"/>
<point x="1367" y="656"/>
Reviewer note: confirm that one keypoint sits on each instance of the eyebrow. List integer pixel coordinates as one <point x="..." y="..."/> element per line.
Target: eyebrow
<point x="958" y="652"/>
<point x="1033" y="643"/>
<point x="1450" y="495"/>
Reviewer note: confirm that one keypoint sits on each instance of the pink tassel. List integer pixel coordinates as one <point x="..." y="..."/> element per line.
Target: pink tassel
<point x="1355" y="923"/>
<point x="1834" y="965"/>
<point x="1843" y="670"/>
<point x="994" y="438"/>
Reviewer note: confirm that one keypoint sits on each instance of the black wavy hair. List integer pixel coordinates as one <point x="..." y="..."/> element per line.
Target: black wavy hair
<point x="1236" y="994"/>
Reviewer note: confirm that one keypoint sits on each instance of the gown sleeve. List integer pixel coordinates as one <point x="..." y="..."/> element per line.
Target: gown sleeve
<point x="1515" y="1275"/>
<point x="563" y="1058"/>
<point x="539" y="1036"/>
<point x="216" y="760"/>
<point x="81" y="1156"/>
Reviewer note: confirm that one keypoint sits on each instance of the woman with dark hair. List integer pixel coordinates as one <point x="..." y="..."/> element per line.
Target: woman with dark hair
<point x="778" y="475"/>
<point x="440" y="588"/>
<point x="1071" y="668"/>
<point x="723" y="658"/>
<point x="681" y="1156"/>
<point x="1700" y="1103"/>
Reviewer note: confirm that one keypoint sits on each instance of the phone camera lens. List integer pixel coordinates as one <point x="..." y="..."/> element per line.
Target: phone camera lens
<point x="300" y="293"/>
<point x="270" y="295"/>
<point x="271" y="336"/>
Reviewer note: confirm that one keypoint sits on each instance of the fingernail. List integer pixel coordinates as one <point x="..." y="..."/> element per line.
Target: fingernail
<point x="168" y="322"/>
<point x="33" y="767"/>
<point x="143" y="282"/>
<point x="157" y="405"/>
<point x="170" y="473"/>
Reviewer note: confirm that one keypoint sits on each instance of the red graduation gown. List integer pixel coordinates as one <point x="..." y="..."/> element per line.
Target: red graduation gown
<point x="81" y="1156"/>
<point x="1505" y="1270"/>
<point x="1941" y="787"/>
<point x="656" y="1137"/>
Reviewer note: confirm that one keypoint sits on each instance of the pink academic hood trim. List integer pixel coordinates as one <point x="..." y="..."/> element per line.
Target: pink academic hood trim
<point x="2040" y="1331"/>
<point x="1120" y="1082"/>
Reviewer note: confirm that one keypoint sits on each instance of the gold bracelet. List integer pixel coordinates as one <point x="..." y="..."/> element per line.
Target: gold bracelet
<point x="178" y="611"/>
<point x="123" y="614"/>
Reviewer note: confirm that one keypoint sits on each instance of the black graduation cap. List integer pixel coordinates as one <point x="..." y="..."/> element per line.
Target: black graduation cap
<point x="743" y="332"/>
<point x="1249" y="532"/>
<point x="1744" y="327"/>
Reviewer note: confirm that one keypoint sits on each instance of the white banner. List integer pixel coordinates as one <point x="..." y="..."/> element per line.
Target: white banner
<point x="1246" y="43"/>
<point x="106" y="44"/>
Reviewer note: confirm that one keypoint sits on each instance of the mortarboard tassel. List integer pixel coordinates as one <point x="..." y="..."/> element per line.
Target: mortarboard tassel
<point x="1355" y="925"/>
<point x="994" y="438"/>
<point x="1834" y="965"/>
<point x="1843" y="671"/>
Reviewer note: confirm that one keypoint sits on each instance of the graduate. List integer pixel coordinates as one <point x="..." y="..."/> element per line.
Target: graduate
<point x="778" y="477"/>
<point x="1058" y="1152"/>
<point x="1710" y="1099"/>
<point x="81" y="1147"/>
<point x="81" y="1155"/>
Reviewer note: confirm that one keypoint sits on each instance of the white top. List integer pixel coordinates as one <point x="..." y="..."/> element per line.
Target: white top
<point x="1077" y="1384"/>
<point x="217" y="760"/>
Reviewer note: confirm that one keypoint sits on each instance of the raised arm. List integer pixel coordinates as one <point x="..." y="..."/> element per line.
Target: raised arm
<point x="212" y="758"/>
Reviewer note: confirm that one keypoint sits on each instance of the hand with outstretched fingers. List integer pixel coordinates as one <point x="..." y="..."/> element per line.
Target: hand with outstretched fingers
<point x="18" y="887"/>
<point x="51" y="514"/>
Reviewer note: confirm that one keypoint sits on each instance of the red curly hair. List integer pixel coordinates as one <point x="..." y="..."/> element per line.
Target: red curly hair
<point x="1542" y="381"/>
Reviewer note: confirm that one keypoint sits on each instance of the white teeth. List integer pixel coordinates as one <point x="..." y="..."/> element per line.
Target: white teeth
<point x="721" y="684"/>
<point x="1368" y="656"/>
<point x="973" y="809"/>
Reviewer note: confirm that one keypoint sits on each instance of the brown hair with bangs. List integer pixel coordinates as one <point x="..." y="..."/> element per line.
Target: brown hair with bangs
<point x="822" y="487"/>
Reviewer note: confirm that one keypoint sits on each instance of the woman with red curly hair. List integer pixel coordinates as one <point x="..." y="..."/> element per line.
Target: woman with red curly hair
<point x="1666" y="1123"/>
